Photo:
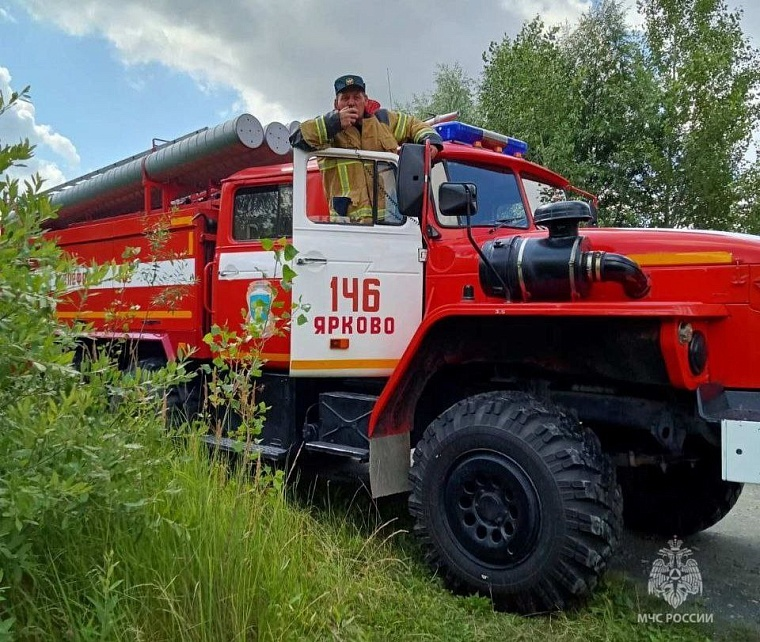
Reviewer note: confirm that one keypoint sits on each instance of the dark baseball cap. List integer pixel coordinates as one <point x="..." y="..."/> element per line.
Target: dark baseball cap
<point x="349" y="81"/>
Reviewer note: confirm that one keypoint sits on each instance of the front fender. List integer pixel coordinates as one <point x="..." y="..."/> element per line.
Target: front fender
<point x="441" y="340"/>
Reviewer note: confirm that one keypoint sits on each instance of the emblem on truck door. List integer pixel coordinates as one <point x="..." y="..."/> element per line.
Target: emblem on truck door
<point x="259" y="298"/>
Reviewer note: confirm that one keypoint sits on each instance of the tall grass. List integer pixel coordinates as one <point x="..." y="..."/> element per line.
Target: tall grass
<point x="216" y="556"/>
<point x="221" y="554"/>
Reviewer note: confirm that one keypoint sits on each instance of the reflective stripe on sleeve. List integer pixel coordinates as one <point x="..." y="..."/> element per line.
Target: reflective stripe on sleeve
<point x="422" y="134"/>
<point x="319" y="121"/>
<point x="345" y="184"/>
<point x="400" y="131"/>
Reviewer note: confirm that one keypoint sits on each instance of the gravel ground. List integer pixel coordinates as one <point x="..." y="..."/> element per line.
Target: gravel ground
<point x="728" y="555"/>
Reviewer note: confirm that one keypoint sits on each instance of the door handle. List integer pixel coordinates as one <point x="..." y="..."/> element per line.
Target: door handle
<point x="230" y="271"/>
<point x="207" y="288"/>
<point x="306" y="260"/>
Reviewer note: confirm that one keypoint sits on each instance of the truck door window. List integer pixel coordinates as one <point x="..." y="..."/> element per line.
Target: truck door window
<point x="357" y="193"/>
<point x="539" y="192"/>
<point x="499" y="199"/>
<point x="263" y="212"/>
<point x="388" y="213"/>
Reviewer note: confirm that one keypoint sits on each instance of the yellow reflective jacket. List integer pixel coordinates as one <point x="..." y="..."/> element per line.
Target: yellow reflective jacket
<point x="348" y="183"/>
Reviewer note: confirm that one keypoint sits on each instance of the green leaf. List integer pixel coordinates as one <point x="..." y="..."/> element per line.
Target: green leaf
<point x="289" y="252"/>
<point x="288" y="274"/>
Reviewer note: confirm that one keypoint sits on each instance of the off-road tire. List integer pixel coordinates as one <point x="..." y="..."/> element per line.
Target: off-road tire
<point x="514" y="500"/>
<point x="681" y="501"/>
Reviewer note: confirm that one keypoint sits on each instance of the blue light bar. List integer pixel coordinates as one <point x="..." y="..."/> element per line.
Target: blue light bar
<point x="458" y="132"/>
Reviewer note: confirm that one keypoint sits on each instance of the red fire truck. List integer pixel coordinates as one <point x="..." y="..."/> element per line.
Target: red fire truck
<point x="550" y="378"/>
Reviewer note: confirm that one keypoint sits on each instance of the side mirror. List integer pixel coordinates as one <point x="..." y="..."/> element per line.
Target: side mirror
<point x="458" y="199"/>
<point x="410" y="184"/>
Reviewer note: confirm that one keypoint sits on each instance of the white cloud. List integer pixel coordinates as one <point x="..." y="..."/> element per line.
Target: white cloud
<point x="281" y="57"/>
<point x="634" y="18"/>
<point x="552" y="12"/>
<point x="5" y="15"/>
<point x="750" y="20"/>
<point x="50" y="172"/>
<point x="55" y="156"/>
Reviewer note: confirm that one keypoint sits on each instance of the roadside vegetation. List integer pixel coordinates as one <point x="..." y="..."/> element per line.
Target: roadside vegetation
<point x="110" y="530"/>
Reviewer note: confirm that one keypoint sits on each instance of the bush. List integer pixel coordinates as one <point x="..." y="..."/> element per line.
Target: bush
<point x="67" y="450"/>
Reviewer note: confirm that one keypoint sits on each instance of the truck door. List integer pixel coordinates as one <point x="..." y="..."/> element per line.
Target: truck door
<point x="252" y="211"/>
<point x="362" y="283"/>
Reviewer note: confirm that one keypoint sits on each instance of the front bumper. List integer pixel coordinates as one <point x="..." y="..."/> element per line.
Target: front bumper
<point x="740" y="445"/>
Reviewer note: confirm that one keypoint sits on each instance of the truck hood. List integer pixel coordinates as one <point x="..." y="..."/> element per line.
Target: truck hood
<point x="655" y="246"/>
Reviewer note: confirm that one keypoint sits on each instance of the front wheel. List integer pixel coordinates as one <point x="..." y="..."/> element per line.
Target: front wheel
<point x="514" y="500"/>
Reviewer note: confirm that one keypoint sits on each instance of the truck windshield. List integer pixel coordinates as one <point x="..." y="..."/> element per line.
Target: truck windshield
<point x="539" y="193"/>
<point x="499" y="200"/>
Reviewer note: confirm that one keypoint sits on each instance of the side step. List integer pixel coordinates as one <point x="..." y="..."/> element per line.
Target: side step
<point x="232" y="445"/>
<point x="341" y="450"/>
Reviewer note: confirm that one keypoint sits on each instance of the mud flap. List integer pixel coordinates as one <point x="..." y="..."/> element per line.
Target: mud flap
<point x="389" y="461"/>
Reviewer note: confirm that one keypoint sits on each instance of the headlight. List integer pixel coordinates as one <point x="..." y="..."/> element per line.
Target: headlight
<point x="697" y="353"/>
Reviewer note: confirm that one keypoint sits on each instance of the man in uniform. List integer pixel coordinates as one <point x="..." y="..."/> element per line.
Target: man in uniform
<point x="357" y="122"/>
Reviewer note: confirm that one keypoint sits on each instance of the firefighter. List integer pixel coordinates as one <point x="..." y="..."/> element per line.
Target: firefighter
<point x="357" y="122"/>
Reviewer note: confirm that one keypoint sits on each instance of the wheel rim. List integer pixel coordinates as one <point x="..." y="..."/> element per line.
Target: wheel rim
<point x="492" y="508"/>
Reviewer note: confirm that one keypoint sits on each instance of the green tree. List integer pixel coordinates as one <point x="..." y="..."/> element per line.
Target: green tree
<point x="580" y="98"/>
<point x="707" y="76"/>
<point x="745" y="210"/>
<point x="613" y="95"/>
<point x="656" y="123"/>
<point x="526" y="93"/>
<point x="454" y="91"/>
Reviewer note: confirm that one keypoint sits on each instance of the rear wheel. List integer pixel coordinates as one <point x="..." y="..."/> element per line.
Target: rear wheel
<point x="514" y="500"/>
<point x="682" y="500"/>
<point x="182" y="401"/>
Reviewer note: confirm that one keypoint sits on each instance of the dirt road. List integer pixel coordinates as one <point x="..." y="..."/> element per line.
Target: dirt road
<point x="728" y="555"/>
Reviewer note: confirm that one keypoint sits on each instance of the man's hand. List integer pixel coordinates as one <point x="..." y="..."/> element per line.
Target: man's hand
<point x="348" y="116"/>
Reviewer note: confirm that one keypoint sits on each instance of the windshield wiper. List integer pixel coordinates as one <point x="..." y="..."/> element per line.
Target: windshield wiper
<point x="511" y="221"/>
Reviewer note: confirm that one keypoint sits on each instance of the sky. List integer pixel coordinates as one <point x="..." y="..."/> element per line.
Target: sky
<point x="108" y="77"/>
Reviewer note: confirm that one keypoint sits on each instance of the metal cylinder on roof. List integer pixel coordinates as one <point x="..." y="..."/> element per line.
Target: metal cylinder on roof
<point x="277" y="137"/>
<point x="192" y="162"/>
<point x="122" y="183"/>
<point x="207" y="155"/>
